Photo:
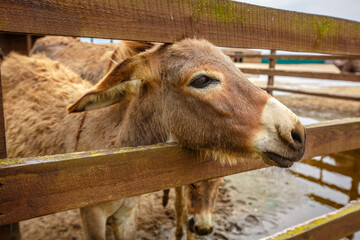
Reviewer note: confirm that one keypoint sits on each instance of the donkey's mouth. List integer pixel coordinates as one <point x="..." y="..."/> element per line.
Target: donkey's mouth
<point x="277" y="160"/>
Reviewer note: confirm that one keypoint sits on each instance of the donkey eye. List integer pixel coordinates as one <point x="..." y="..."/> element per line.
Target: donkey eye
<point x="193" y="185"/>
<point x="203" y="81"/>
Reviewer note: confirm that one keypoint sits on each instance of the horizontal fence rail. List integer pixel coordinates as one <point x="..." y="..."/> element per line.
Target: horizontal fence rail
<point x="39" y="186"/>
<point x="225" y="23"/>
<point x="313" y="93"/>
<point x="353" y="77"/>
<point x="297" y="56"/>
<point x="335" y="225"/>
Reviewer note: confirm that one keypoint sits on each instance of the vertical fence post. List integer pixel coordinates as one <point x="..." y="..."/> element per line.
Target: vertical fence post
<point x="11" y="231"/>
<point x="272" y="62"/>
<point x="5" y="232"/>
<point x="28" y="43"/>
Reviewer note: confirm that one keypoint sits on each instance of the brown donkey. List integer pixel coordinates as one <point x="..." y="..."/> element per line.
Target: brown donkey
<point x="91" y="61"/>
<point x="188" y="91"/>
<point x="194" y="205"/>
<point x="81" y="57"/>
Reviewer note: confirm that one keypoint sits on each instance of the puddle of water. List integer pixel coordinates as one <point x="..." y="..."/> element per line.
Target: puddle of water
<point x="339" y="172"/>
<point x="279" y="199"/>
<point x="337" y="180"/>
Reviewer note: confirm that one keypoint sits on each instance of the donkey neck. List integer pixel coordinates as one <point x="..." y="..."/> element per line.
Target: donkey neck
<point x="142" y="123"/>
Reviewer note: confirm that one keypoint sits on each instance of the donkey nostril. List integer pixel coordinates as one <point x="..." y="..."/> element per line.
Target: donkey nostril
<point x="296" y="136"/>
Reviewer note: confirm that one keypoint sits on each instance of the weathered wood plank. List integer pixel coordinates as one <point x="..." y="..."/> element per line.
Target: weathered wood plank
<point x="334" y="225"/>
<point x="225" y="23"/>
<point x="313" y="93"/>
<point x="354" y="77"/>
<point x="39" y="186"/>
<point x="35" y="187"/>
<point x="297" y="56"/>
<point x="332" y="137"/>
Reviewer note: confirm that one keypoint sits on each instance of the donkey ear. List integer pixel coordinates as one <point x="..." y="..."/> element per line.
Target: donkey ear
<point x="122" y="81"/>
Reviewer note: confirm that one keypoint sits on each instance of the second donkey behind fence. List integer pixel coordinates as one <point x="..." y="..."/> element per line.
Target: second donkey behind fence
<point x="188" y="91"/>
<point x="94" y="61"/>
<point x="194" y="206"/>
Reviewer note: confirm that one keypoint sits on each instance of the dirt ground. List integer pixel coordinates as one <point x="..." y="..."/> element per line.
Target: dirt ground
<point x="250" y="206"/>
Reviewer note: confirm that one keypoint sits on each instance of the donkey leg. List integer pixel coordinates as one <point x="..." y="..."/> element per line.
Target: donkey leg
<point x="179" y="212"/>
<point x="124" y="220"/>
<point x="189" y="235"/>
<point x="165" y="197"/>
<point x="94" y="222"/>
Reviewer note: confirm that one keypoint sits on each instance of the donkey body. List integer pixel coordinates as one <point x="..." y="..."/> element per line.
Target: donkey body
<point x="70" y="52"/>
<point x="188" y="91"/>
<point x="91" y="61"/>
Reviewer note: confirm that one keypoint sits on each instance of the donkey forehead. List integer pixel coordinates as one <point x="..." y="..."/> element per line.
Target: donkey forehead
<point x="196" y="51"/>
<point x="189" y="56"/>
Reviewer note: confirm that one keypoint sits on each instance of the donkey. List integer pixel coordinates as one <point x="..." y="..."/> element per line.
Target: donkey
<point x="91" y="61"/>
<point x="79" y="56"/>
<point x="188" y="91"/>
<point x="194" y="205"/>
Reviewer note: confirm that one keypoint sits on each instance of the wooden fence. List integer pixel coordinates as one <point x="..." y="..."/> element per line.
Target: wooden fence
<point x="271" y="72"/>
<point x="44" y="185"/>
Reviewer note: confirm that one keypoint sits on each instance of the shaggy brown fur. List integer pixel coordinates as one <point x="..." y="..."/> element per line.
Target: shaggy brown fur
<point x="90" y="61"/>
<point x="149" y="98"/>
<point x="36" y="94"/>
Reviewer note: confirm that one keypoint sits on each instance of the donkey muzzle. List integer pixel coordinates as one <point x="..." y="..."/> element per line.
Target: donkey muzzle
<point x="199" y="230"/>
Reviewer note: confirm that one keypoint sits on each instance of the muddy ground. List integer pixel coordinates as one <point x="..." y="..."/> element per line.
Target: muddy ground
<point x="250" y="206"/>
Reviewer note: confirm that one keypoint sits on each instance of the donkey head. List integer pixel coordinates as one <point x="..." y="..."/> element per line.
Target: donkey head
<point x="200" y="199"/>
<point x="202" y="101"/>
